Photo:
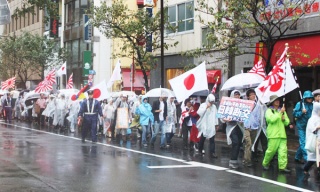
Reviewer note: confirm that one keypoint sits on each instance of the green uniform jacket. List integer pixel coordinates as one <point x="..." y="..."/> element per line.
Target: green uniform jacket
<point x="276" y="127"/>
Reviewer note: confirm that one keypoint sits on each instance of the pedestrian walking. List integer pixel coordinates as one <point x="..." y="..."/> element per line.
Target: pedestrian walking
<point x="121" y="103"/>
<point x="171" y="120"/>
<point x="8" y="106"/>
<point x="159" y="110"/>
<point x="234" y="131"/>
<point x="312" y="134"/>
<point x="89" y="110"/>
<point x="60" y="111"/>
<point x="207" y="124"/>
<point x="277" y="119"/>
<point x="302" y="112"/>
<point x="41" y="102"/>
<point x="73" y="114"/>
<point x="144" y="110"/>
<point x="108" y="118"/>
<point x="50" y="109"/>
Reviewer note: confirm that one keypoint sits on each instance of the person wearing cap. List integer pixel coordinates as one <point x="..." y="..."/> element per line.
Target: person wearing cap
<point x="207" y="124"/>
<point x="146" y="118"/>
<point x="234" y="131"/>
<point x="42" y="104"/>
<point x="159" y="110"/>
<point x="8" y="105"/>
<point x="277" y="119"/>
<point x="302" y="112"/>
<point x="89" y="110"/>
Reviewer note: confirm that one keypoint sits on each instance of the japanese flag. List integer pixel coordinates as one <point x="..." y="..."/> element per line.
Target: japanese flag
<point x="189" y="82"/>
<point x="100" y="91"/>
<point x="62" y="70"/>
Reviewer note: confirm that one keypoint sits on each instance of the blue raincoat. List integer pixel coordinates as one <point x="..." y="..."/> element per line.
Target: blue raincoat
<point x="301" y="123"/>
<point x="145" y="112"/>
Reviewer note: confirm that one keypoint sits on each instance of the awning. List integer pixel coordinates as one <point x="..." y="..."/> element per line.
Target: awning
<point x="138" y="82"/>
<point x="303" y="51"/>
<point x="212" y="76"/>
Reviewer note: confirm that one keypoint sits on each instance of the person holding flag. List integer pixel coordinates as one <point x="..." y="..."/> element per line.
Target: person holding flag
<point x="277" y="119"/>
<point x="302" y="112"/>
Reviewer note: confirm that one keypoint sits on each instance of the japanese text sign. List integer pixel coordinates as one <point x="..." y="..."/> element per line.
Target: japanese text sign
<point x="235" y="109"/>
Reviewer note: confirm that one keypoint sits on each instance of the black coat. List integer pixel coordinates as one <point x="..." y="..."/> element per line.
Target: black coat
<point x="155" y="107"/>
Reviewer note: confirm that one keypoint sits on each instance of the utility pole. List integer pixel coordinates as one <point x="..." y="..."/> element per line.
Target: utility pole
<point x="161" y="43"/>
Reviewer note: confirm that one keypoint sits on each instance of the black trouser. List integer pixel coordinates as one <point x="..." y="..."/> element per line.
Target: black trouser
<point x="308" y="166"/>
<point x="264" y="144"/>
<point x="185" y="130"/>
<point x="212" y="144"/>
<point x="236" y="138"/>
<point x="40" y="118"/>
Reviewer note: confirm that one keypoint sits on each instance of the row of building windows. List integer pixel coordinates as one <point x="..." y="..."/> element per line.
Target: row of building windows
<point x="22" y="22"/>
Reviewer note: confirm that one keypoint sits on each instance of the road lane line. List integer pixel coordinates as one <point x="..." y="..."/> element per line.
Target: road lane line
<point x="193" y="164"/>
<point x="171" y="166"/>
<point x="269" y="181"/>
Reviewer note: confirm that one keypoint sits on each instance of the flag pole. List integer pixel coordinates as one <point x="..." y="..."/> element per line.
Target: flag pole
<point x="285" y="74"/>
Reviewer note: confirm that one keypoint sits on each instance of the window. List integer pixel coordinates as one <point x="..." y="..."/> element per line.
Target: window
<point x="75" y="50"/>
<point x="181" y="15"/>
<point x="205" y="38"/>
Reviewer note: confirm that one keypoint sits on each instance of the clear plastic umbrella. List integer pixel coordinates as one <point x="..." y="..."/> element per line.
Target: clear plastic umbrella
<point x="242" y="81"/>
<point x="160" y="92"/>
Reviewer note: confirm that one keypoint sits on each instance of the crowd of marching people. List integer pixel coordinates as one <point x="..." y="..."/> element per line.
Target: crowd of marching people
<point x="195" y="118"/>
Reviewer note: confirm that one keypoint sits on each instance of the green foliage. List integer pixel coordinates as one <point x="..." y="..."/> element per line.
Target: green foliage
<point x="118" y="21"/>
<point x="237" y="25"/>
<point x="30" y="6"/>
<point x="28" y="56"/>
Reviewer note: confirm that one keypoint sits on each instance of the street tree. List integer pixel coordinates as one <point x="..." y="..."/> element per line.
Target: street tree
<point x="28" y="56"/>
<point x="236" y="26"/>
<point x="138" y="30"/>
<point x="30" y="6"/>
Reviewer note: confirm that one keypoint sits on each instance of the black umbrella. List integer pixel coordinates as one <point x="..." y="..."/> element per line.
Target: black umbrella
<point x="200" y="93"/>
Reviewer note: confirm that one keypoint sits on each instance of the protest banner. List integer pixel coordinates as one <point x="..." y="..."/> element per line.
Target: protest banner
<point x="235" y="109"/>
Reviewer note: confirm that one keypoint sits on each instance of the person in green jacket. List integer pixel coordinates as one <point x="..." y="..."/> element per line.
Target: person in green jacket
<point x="276" y="119"/>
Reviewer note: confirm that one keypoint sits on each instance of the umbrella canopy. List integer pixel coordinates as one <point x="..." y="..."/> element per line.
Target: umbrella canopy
<point x="68" y="92"/>
<point x="200" y="93"/>
<point x="160" y="92"/>
<point x="128" y="93"/>
<point x="242" y="81"/>
<point x="2" y="92"/>
<point x="31" y="95"/>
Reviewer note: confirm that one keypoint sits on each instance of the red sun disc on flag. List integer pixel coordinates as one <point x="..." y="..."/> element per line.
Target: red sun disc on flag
<point x="96" y="93"/>
<point x="189" y="81"/>
<point x="73" y="97"/>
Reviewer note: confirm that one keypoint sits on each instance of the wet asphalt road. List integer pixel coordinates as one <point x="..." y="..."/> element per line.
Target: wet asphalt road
<point x="34" y="158"/>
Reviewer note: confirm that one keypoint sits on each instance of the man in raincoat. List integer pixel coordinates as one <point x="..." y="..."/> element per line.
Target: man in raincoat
<point x="207" y="124"/>
<point x="146" y="118"/>
<point x="302" y="112"/>
<point x="277" y="119"/>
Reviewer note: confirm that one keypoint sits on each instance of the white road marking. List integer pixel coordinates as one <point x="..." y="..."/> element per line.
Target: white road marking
<point x="269" y="181"/>
<point x="171" y="166"/>
<point x="190" y="163"/>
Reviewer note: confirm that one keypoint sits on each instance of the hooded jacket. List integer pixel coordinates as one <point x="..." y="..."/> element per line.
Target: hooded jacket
<point x="145" y="112"/>
<point x="300" y="117"/>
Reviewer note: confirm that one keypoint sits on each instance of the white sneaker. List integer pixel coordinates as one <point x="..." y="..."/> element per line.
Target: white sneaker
<point x="72" y="130"/>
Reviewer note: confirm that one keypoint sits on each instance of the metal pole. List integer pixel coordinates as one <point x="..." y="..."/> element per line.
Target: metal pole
<point x="161" y="43"/>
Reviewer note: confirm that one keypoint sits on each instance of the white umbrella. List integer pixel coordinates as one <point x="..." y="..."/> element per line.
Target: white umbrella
<point x="128" y="93"/>
<point x="68" y="92"/>
<point x="242" y="81"/>
<point x="160" y="92"/>
<point x="31" y="95"/>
